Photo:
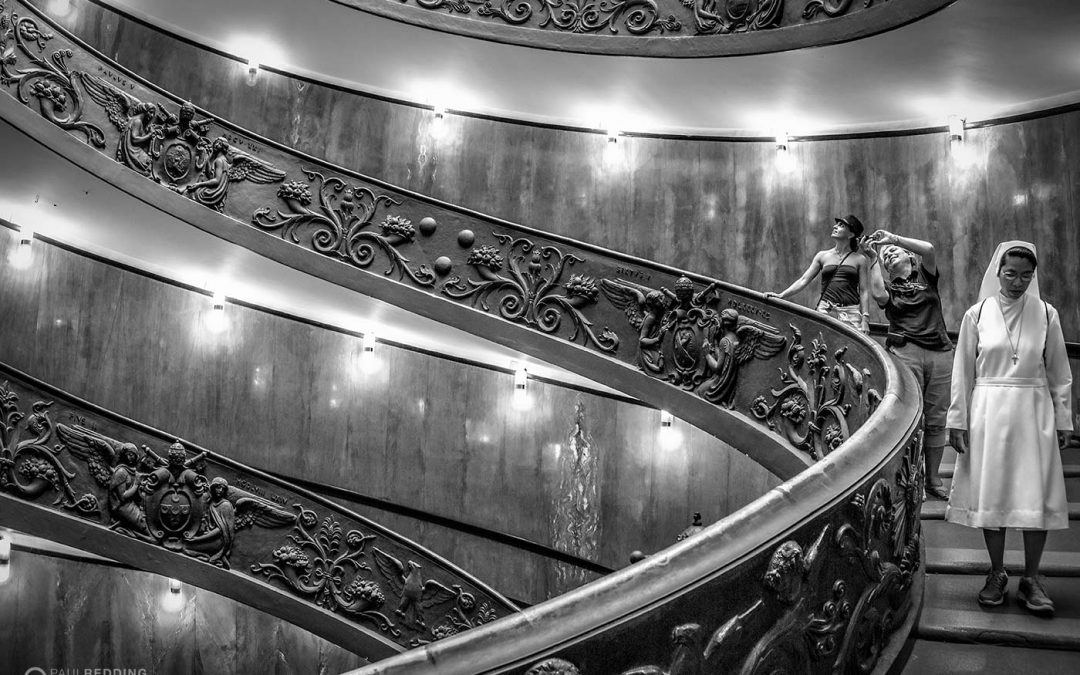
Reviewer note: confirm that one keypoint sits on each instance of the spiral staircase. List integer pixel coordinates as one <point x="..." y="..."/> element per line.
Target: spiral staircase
<point x="821" y="574"/>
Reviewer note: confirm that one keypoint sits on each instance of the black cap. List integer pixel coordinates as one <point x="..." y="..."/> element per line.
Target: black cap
<point x="853" y="224"/>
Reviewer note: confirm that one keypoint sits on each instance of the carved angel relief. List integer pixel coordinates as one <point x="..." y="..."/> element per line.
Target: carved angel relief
<point x="685" y="339"/>
<point x="168" y="500"/>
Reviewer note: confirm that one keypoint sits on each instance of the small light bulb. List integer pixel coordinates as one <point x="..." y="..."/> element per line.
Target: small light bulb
<point x="670" y="437"/>
<point x="174" y="599"/>
<point x="612" y="135"/>
<point x="216" y="321"/>
<point x="252" y="70"/>
<point x="521" y="399"/>
<point x="782" y="141"/>
<point x="369" y="363"/>
<point x="956" y="129"/>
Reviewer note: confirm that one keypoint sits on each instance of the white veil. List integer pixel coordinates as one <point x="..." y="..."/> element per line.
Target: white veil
<point x="990" y="284"/>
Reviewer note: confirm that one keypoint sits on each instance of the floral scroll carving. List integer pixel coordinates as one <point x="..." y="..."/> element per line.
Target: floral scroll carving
<point x="341" y="224"/>
<point x="333" y="568"/>
<point x="48" y="80"/>
<point x="811" y="406"/>
<point x="533" y="290"/>
<point x="29" y="466"/>
<point x="193" y="505"/>
<point x="638" y="17"/>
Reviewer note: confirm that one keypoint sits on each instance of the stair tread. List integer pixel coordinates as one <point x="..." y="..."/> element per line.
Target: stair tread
<point x="942" y="535"/>
<point x="934" y="509"/>
<point x="933" y="658"/>
<point x="975" y="561"/>
<point x="951" y="613"/>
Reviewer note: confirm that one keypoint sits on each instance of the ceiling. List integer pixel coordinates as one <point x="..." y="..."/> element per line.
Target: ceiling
<point x="980" y="59"/>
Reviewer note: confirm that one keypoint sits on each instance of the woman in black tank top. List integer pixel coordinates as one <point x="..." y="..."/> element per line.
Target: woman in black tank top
<point x="844" y="277"/>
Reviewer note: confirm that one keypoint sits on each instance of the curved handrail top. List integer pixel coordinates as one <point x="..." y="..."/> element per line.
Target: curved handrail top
<point x="543" y="628"/>
<point x="7" y="370"/>
<point x="770" y="451"/>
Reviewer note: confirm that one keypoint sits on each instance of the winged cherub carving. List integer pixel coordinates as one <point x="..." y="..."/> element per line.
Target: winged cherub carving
<point x="740" y="339"/>
<point x="139" y="124"/>
<point x="222" y="164"/>
<point x="645" y="309"/>
<point x="231" y="509"/>
<point x="408" y="582"/>
<point x="114" y="465"/>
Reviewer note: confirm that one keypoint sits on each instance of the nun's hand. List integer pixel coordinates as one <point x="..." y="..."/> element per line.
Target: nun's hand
<point x="958" y="439"/>
<point x="1063" y="438"/>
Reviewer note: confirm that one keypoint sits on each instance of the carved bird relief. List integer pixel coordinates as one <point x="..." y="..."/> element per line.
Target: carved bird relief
<point x="408" y="582"/>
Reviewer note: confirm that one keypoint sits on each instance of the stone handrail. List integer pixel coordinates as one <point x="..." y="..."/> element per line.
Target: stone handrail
<point x="88" y="478"/>
<point x="819" y="572"/>
<point x="708" y="349"/>
<point x="659" y="28"/>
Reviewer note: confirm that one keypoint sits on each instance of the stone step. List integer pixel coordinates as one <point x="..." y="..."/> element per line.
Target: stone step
<point x="954" y="549"/>
<point x="951" y="614"/>
<point x="948" y="658"/>
<point x="934" y="509"/>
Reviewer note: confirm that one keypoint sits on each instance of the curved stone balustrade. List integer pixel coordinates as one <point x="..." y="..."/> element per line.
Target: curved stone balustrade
<point x="788" y="392"/>
<point x="814" y="577"/>
<point x="673" y="28"/>
<point x="84" y="477"/>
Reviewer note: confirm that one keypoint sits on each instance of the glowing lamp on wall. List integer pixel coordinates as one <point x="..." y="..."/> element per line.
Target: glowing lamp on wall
<point x="369" y="363"/>
<point x="956" y="129"/>
<point x="784" y="160"/>
<point x="5" y="557"/>
<point x="23" y="255"/>
<point x="670" y="438"/>
<point x="174" y="599"/>
<point x="521" y="393"/>
<point x="216" y="321"/>
<point x="252" y="70"/>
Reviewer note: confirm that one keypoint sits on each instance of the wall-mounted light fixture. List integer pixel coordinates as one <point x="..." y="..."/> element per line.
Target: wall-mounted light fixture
<point x="521" y="382"/>
<point x="23" y="255"/>
<point x="670" y="438"/>
<point x="5" y="557"/>
<point x="956" y="129"/>
<point x="369" y="362"/>
<point x="174" y="598"/>
<point x="612" y="135"/>
<point x="784" y="160"/>
<point x="216" y="321"/>
<point x="438" y="122"/>
<point x="252" y="70"/>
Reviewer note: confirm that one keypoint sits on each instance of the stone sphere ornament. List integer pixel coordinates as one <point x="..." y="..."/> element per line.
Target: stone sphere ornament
<point x="466" y="238"/>
<point x="442" y="265"/>
<point x="427" y="226"/>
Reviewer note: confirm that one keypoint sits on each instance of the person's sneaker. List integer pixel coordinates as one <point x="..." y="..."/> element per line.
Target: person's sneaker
<point x="936" y="492"/>
<point x="1033" y="596"/>
<point x="993" y="591"/>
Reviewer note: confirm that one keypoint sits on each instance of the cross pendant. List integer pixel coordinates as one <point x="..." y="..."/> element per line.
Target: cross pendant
<point x="1015" y="357"/>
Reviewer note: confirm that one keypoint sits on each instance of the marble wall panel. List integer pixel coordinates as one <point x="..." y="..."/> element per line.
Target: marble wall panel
<point x="429" y="433"/>
<point x="715" y="207"/>
<point x="104" y="617"/>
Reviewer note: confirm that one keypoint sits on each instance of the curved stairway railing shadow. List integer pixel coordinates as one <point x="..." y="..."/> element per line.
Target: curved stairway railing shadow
<point x="82" y="476"/>
<point x="817" y="573"/>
